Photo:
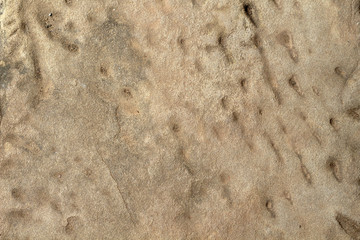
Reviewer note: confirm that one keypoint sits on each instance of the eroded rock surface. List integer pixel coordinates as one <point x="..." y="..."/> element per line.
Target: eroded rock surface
<point x="180" y="119"/>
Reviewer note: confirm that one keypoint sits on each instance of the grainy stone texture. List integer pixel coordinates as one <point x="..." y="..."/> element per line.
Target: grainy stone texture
<point x="180" y="119"/>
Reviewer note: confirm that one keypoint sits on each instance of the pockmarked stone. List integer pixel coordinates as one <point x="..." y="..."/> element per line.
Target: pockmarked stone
<point x="180" y="119"/>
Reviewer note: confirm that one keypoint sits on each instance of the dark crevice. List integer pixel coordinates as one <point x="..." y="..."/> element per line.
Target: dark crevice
<point x="249" y="10"/>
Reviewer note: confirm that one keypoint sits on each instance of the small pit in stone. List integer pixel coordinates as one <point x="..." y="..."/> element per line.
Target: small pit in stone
<point x="176" y="128"/>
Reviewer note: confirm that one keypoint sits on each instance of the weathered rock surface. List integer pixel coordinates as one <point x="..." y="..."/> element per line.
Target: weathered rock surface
<point x="180" y="119"/>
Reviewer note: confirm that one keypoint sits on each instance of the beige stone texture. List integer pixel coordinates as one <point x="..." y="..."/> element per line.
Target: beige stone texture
<point x="179" y="119"/>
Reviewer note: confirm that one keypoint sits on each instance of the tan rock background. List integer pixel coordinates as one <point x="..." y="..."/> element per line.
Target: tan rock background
<point x="180" y="119"/>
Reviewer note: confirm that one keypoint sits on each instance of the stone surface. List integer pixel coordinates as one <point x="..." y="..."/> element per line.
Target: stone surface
<point x="180" y="119"/>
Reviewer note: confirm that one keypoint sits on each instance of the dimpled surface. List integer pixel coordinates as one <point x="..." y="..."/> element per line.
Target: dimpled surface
<point x="179" y="119"/>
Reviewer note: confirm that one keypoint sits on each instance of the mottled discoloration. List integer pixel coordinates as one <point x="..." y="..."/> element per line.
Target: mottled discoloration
<point x="179" y="119"/>
<point x="111" y="42"/>
<point x="350" y="226"/>
<point x="19" y="216"/>
<point x="73" y="225"/>
<point x="5" y="75"/>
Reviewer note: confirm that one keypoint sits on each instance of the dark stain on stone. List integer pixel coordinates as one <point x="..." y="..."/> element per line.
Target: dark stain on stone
<point x="6" y="168"/>
<point x="17" y="194"/>
<point x="277" y="3"/>
<point x="226" y="194"/>
<point x="334" y="166"/>
<point x="244" y="84"/>
<point x="16" y="216"/>
<point x="250" y="12"/>
<point x="334" y="123"/>
<point x="354" y="113"/>
<point x="90" y="18"/>
<point x="114" y="40"/>
<point x="293" y="83"/>
<point x="36" y="65"/>
<point x="5" y="76"/>
<point x="24" y="85"/>
<point x="69" y="27"/>
<point x="127" y="93"/>
<point x="74" y="223"/>
<point x="68" y="2"/>
<point x="24" y="27"/>
<point x="50" y="23"/>
<point x="224" y="178"/>
<point x="197" y="191"/>
<point x="221" y="42"/>
<point x="350" y="226"/>
<point x="224" y="102"/>
<point x="35" y="86"/>
<point x="306" y="174"/>
<point x="1" y="7"/>
<point x="339" y="71"/>
<point x="182" y="44"/>
<point x="257" y="42"/>
<point x="88" y="172"/>
<point x="235" y="116"/>
<point x="103" y="70"/>
<point x="55" y="206"/>
<point x="71" y="47"/>
<point x="20" y="67"/>
<point x="175" y="127"/>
